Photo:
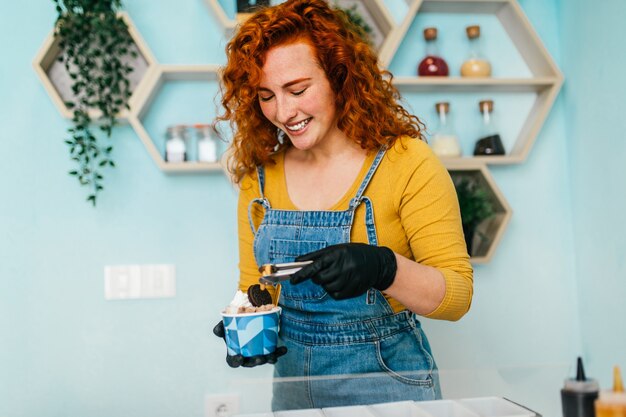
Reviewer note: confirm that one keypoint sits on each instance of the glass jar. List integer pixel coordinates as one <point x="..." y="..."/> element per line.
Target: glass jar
<point x="489" y="141"/>
<point x="207" y="143"/>
<point x="175" y="144"/>
<point x="432" y="64"/>
<point x="476" y="65"/>
<point x="445" y="142"/>
<point x="250" y="6"/>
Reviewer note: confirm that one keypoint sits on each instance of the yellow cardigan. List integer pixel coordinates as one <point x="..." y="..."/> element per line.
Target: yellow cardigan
<point x="416" y="213"/>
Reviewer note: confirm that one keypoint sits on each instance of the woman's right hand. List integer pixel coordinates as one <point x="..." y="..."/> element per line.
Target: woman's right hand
<point x="235" y="361"/>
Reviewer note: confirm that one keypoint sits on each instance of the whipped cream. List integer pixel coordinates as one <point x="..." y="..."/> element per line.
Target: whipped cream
<point x="240" y="301"/>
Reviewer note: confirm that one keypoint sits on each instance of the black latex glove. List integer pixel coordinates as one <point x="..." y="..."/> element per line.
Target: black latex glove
<point x="235" y="361"/>
<point x="349" y="269"/>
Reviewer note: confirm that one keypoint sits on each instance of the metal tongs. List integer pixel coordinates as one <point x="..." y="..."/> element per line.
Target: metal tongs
<point x="272" y="274"/>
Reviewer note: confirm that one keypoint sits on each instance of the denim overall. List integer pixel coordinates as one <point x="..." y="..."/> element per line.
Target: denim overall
<point x="348" y="352"/>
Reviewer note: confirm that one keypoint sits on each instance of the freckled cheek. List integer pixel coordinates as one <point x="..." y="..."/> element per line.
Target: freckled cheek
<point x="312" y="105"/>
<point x="268" y="110"/>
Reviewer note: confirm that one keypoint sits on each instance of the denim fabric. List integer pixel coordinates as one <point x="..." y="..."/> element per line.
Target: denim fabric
<point x="348" y="352"/>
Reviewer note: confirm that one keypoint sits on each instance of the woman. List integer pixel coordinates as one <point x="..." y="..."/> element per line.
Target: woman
<point x="332" y="169"/>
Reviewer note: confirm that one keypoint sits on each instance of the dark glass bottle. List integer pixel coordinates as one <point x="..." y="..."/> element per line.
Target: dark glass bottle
<point x="489" y="141"/>
<point x="432" y="64"/>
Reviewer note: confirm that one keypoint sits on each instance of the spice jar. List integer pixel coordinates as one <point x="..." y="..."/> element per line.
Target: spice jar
<point x="489" y="141"/>
<point x="476" y="65"/>
<point x="175" y="145"/>
<point x="432" y="64"/>
<point x="207" y="143"/>
<point x="445" y="142"/>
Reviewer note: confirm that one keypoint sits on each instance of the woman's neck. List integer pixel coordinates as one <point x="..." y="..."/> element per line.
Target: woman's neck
<point x="331" y="150"/>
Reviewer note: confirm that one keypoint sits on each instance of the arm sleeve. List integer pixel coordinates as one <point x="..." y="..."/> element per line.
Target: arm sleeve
<point x="430" y="215"/>
<point x="248" y="269"/>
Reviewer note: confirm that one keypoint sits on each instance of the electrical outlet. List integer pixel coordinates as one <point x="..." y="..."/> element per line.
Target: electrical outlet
<point x="221" y="405"/>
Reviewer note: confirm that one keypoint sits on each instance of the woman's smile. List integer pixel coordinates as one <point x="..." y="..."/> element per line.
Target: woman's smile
<point x="299" y="127"/>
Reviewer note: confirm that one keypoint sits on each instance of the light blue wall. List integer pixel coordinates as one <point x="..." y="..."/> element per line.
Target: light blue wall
<point x="65" y="351"/>
<point x="594" y="54"/>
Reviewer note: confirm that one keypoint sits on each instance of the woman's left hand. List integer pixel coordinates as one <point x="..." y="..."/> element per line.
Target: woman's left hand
<point x="348" y="270"/>
<point x="235" y="361"/>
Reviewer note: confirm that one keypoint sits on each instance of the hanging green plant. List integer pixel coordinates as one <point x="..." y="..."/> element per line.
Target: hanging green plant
<point x="361" y="27"/>
<point x="475" y="203"/>
<point x="95" y="46"/>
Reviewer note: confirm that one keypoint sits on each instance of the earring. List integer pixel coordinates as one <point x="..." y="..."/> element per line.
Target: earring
<point x="280" y="136"/>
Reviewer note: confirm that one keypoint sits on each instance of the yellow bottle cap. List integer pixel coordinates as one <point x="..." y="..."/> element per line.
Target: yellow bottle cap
<point x="615" y="397"/>
<point x="618" y="385"/>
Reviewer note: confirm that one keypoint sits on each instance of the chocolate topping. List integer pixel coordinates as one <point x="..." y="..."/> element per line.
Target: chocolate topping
<point x="258" y="297"/>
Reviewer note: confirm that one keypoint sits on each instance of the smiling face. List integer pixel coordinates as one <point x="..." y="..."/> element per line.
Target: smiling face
<point x="296" y="96"/>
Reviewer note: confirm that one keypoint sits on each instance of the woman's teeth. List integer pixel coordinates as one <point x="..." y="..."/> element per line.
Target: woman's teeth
<point x="298" y="126"/>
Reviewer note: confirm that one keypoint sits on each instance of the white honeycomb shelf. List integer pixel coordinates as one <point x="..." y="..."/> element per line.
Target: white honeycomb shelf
<point x="544" y="82"/>
<point x="489" y="232"/>
<point x="57" y="82"/>
<point x="162" y="75"/>
<point x="373" y="12"/>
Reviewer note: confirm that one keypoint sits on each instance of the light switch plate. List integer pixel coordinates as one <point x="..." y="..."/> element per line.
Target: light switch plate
<point x="139" y="281"/>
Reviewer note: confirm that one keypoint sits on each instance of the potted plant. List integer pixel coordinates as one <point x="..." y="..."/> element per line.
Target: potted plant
<point x="357" y="21"/>
<point x="476" y="206"/>
<point x="95" y="50"/>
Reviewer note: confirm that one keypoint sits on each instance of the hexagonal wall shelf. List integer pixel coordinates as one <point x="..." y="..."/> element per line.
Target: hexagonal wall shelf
<point x="490" y="231"/>
<point x="545" y="80"/>
<point x="373" y="12"/>
<point x="57" y="82"/>
<point x="217" y="9"/>
<point x="377" y="17"/>
<point x="162" y="75"/>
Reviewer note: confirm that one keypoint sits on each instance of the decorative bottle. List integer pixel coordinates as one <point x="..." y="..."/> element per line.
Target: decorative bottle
<point x="207" y="145"/>
<point x="432" y="64"/>
<point x="489" y="141"/>
<point x="476" y="65"/>
<point x="175" y="146"/>
<point x="445" y="142"/>
<point x="612" y="403"/>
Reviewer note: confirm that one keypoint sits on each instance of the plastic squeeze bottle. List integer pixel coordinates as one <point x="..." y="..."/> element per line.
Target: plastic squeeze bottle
<point x="578" y="395"/>
<point x="612" y="403"/>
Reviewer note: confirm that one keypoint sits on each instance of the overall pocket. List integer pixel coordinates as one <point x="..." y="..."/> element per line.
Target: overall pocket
<point x="285" y="250"/>
<point x="406" y="357"/>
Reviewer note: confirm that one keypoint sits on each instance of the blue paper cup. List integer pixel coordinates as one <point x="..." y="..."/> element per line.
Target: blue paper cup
<point x="251" y="334"/>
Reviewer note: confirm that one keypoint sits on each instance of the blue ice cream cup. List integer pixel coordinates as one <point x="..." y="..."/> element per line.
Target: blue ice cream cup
<point x="251" y="334"/>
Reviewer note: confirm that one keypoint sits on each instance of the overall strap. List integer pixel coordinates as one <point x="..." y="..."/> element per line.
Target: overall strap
<point x="372" y="239"/>
<point x="359" y="198"/>
<point x="370" y="227"/>
<point x="261" y="200"/>
<point x="379" y="156"/>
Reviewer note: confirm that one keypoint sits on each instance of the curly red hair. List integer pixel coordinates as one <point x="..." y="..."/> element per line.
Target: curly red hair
<point x="368" y="105"/>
